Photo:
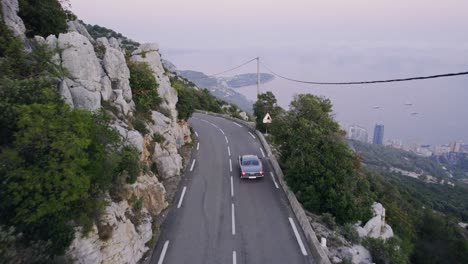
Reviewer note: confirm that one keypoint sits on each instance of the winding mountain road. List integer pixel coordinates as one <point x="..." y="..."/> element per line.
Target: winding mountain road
<point x="219" y="218"/>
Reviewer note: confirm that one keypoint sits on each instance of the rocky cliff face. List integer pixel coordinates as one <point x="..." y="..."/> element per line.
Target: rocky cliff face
<point x="98" y="75"/>
<point x="94" y="80"/>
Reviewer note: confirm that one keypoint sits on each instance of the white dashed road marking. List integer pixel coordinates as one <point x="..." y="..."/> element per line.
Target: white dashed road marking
<point x="299" y="240"/>
<point x="221" y="131"/>
<point x="233" y="220"/>
<point x="234" y="257"/>
<point x="196" y="133"/>
<point x="163" y="252"/>
<point x="182" y="197"/>
<point x="252" y="135"/>
<point x="193" y="164"/>
<point x="227" y="141"/>
<point x="230" y="165"/>
<point x="232" y="188"/>
<point x="263" y="153"/>
<point x="198" y="145"/>
<point x="237" y="124"/>
<point x="229" y="151"/>
<point x="274" y="181"/>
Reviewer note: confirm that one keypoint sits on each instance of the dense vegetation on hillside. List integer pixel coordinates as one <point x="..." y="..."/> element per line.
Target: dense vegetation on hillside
<point x="327" y="178"/>
<point x="317" y="161"/>
<point x="56" y="162"/>
<point x="387" y="157"/>
<point x="191" y="99"/>
<point x="97" y="31"/>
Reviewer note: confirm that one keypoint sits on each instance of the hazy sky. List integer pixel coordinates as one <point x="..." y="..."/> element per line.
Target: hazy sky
<point x="326" y="40"/>
<point x="279" y="23"/>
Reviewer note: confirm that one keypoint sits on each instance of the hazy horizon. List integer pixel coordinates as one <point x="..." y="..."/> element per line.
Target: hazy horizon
<point x="324" y="41"/>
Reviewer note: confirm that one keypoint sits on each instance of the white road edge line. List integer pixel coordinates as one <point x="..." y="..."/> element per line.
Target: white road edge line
<point x="163" y="252"/>
<point x="193" y="164"/>
<point x="196" y="133"/>
<point x="227" y="141"/>
<point x="230" y="165"/>
<point x="263" y="153"/>
<point x="234" y="257"/>
<point x="221" y="131"/>
<point x="232" y="188"/>
<point x="182" y="197"/>
<point x="233" y="220"/>
<point x="274" y="181"/>
<point x="235" y="123"/>
<point x="198" y="145"/>
<point x="299" y="240"/>
<point x="229" y="151"/>
<point x="252" y="135"/>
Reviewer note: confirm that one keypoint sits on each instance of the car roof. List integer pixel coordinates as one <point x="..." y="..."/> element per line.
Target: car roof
<point x="250" y="157"/>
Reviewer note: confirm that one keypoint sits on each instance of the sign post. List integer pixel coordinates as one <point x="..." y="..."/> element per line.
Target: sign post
<point x="267" y="120"/>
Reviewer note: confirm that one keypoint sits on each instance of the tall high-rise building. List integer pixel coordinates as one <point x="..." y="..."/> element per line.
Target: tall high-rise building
<point x="378" y="134"/>
<point x="358" y="133"/>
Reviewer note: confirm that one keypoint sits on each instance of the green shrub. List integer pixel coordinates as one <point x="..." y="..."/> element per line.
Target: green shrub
<point x="43" y="17"/>
<point x="139" y="124"/>
<point x="137" y="203"/>
<point x="329" y="220"/>
<point x="154" y="167"/>
<point x="190" y="99"/>
<point x="158" y="138"/>
<point x="130" y="164"/>
<point x="386" y="251"/>
<point x="351" y="234"/>
<point x="144" y="87"/>
<point x="53" y="171"/>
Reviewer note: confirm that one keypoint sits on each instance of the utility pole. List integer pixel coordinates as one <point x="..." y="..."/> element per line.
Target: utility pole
<point x="258" y="77"/>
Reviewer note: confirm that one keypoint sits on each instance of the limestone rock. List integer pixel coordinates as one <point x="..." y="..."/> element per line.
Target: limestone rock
<point x="79" y="59"/>
<point x="85" y="99"/>
<point x="114" y="64"/>
<point x="151" y="192"/>
<point x="135" y="139"/>
<point x="66" y="95"/>
<point x="11" y="19"/>
<point x="116" y="68"/>
<point x="125" y="242"/>
<point x="106" y="91"/>
<point x="149" y="53"/>
<point x="166" y="154"/>
<point x="376" y="226"/>
<point x="76" y="26"/>
<point x="120" y="102"/>
<point x="114" y="43"/>
<point x="85" y="249"/>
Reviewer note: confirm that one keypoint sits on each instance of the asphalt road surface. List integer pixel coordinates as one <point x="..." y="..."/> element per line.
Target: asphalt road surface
<point x="218" y="218"/>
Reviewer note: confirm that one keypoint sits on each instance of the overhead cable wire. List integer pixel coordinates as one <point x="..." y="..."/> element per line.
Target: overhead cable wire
<point x="235" y="68"/>
<point x="367" y="82"/>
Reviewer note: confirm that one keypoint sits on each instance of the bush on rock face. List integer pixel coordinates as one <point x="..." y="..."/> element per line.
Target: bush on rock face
<point x="43" y="18"/>
<point x="144" y="87"/>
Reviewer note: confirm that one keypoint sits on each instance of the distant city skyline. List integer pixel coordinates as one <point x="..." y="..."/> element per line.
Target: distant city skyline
<point x="378" y="134"/>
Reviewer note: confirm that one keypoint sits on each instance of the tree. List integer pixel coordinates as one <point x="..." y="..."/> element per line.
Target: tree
<point x="54" y="171"/>
<point x="43" y="17"/>
<point x="319" y="167"/>
<point x="266" y="103"/>
<point x="144" y="87"/>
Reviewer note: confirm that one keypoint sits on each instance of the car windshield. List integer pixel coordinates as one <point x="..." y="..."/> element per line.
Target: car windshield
<point x="250" y="163"/>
